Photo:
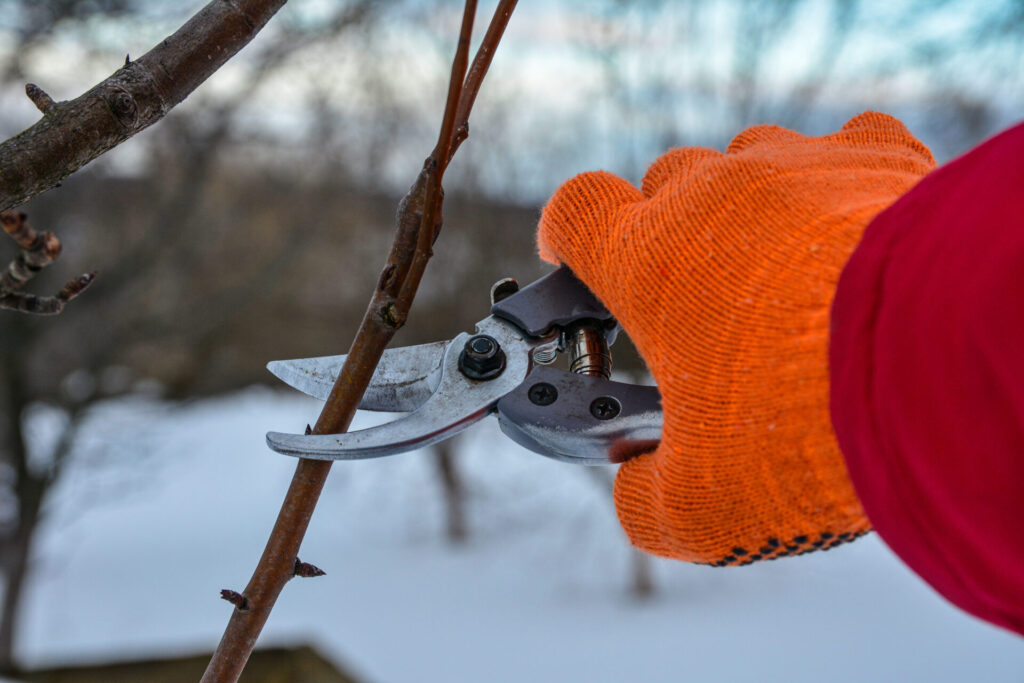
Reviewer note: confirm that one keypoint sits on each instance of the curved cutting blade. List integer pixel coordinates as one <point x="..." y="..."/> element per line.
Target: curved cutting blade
<point x="403" y="381"/>
<point x="457" y="403"/>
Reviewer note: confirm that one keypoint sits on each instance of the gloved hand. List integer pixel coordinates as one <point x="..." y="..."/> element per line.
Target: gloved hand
<point x="722" y="268"/>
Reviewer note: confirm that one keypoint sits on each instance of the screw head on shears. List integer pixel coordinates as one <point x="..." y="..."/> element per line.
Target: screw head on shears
<point x="543" y="394"/>
<point x="605" y="408"/>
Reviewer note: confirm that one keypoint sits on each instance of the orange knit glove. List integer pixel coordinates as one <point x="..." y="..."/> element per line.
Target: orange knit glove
<point x="722" y="269"/>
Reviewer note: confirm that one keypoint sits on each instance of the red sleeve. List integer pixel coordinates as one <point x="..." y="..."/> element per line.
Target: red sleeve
<point x="927" y="369"/>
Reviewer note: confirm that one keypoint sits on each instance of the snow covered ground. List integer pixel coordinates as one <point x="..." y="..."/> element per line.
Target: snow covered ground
<point x="140" y="541"/>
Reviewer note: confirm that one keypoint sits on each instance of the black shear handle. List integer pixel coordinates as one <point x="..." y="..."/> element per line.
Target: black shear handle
<point x="555" y="300"/>
<point x="581" y="419"/>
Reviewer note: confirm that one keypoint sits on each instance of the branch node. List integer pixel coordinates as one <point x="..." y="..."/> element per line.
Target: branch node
<point x="387" y="277"/>
<point x="17" y="227"/>
<point x="39" y="97"/>
<point x="76" y="286"/>
<point x="461" y="133"/>
<point x="123" y="106"/>
<point x="240" y="602"/>
<point x="305" y="570"/>
<point x="391" y="316"/>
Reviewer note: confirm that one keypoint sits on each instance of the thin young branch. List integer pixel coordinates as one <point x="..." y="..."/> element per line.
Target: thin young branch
<point x="481" y="63"/>
<point x="46" y="305"/>
<point x="73" y="133"/>
<point x="435" y="165"/>
<point x="418" y="217"/>
<point x="38" y="250"/>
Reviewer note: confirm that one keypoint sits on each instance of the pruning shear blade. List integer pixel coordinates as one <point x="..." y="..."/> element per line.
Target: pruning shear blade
<point x="456" y="403"/>
<point x="403" y="381"/>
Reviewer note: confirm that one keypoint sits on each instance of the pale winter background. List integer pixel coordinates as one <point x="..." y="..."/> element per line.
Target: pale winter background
<point x="251" y="225"/>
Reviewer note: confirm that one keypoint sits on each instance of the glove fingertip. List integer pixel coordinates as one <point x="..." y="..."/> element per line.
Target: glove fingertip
<point x="676" y="164"/>
<point x="872" y="127"/>
<point x="768" y="136"/>
<point x="580" y="216"/>
<point x="638" y="503"/>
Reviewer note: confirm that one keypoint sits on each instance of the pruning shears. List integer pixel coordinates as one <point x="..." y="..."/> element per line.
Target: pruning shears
<point x="577" y="415"/>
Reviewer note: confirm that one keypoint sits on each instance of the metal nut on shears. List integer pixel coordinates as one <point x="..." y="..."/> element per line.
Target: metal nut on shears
<point x="482" y="358"/>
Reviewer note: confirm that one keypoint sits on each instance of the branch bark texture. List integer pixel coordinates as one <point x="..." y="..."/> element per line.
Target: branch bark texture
<point x="418" y="224"/>
<point x="71" y="134"/>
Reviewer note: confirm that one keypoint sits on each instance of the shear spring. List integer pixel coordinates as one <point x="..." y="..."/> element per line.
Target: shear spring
<point x="546" y="356"/>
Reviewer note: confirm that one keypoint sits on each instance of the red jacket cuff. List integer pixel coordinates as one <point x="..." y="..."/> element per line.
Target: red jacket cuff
<point x="927" y="378"/>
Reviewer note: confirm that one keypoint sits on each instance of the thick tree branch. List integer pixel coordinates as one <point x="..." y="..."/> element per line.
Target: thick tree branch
<point x="418" y="222"/>
<point x="73" y="133"/>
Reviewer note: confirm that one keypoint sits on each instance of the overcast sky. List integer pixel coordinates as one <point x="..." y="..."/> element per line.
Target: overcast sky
<point x="579" y="85"/>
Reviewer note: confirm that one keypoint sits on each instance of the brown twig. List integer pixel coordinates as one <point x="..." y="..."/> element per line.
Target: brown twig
<point x="418" y="219"/>
<point x="305" y="570"/>
<point x="73" y="133"/>
<point x="478" y="70"/>
<point x="46" y="305"/>
<point x="235" y="598"/>
<point x="38" y="250"/>
<point x="39" y="97"/>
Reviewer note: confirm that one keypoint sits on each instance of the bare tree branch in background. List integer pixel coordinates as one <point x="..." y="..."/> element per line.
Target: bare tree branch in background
<point x="38" y="250"/>
<point x="73" y="133"/>
<point x="456" y="528"/>
<point x="641" y="565"/>
<point x="419" y="222"/>
<point x="69" y="135"/>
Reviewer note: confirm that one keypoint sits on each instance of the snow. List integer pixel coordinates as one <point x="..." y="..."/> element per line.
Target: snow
<point x="163" y="506"/>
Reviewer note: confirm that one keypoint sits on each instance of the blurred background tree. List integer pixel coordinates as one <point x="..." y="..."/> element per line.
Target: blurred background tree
<point x="251" y="223"/>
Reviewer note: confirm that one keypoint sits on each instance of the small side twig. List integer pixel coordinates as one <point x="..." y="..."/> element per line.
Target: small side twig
<point x="235" y="598"/>
<point x="46" y="305"/>
<point x="39" y="97"/>
<point x="38" y="250"/>
<point x="305" y="570"/>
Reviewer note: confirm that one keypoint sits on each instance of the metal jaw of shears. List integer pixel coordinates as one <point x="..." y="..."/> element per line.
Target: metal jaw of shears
<point x="578" y="416"/>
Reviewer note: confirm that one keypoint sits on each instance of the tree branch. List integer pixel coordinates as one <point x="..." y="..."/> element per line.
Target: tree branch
<point x="478" y="70"/>
<point x="46" y="305"/>
<point x="73" y="133"/>
<point x="418" y="222"/>
<point x="38" y="250"/>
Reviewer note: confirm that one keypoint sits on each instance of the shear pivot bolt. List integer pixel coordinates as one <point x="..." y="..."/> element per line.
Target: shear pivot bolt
<point x="482" y="358"/>
<point x="605" y="408"/>
<point x="542" y="394"/>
